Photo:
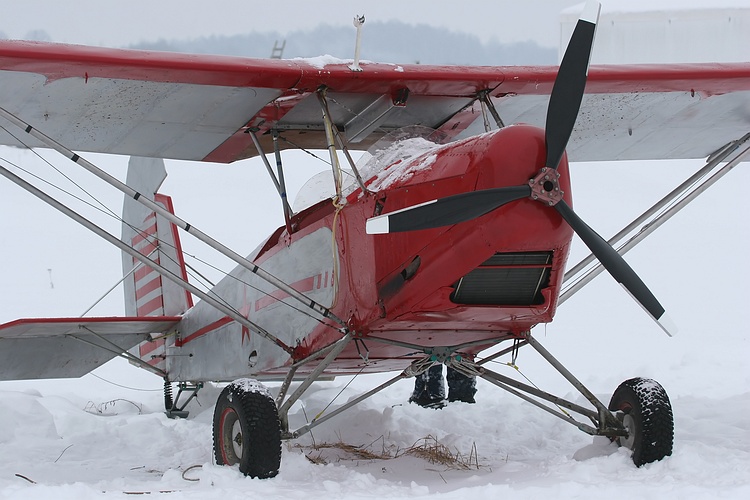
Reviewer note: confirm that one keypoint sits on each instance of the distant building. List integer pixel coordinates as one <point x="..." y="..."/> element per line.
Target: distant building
<point x="655" y="31"/>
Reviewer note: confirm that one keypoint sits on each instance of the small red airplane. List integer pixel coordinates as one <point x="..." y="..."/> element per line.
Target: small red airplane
<point x="451" y="239"/>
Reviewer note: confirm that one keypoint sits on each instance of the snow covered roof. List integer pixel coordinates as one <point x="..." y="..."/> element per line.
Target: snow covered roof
<point x="611" y="6"/>
<point x="666" y="31"/>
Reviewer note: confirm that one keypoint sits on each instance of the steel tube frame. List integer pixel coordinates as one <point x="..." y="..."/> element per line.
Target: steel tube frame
<point x="282" y="183"/>
<point x="658" y="221"/>
<point x="293" y="370"/>
<point x="339" y="346"/>
<point x="321" y="419"/>
<point x="235" y="315"/>
<point x="492" y="376"/>
<point x="285" y="202"/>
<point x="503" y="352"/>
<point x="605" y="416"/>
<point x="122" y="353"/>
<point x="584" y="427"/>
<point x="216" y="245"/>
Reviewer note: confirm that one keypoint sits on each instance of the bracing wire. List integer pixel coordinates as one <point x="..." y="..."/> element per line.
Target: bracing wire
<point x="109" y="212"/>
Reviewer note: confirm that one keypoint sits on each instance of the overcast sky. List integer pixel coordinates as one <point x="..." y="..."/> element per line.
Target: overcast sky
<point x="123" y="22"/>
<point x="117" y="23"/>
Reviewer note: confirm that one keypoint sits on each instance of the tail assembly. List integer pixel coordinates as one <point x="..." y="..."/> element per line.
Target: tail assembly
<point x="147" y="293"/>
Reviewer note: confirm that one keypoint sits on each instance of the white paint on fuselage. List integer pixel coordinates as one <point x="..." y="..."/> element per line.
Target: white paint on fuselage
<point x="223" y="352"/>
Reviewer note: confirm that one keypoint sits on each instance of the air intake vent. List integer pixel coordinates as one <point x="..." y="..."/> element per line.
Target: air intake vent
<point x="510" y="279"/>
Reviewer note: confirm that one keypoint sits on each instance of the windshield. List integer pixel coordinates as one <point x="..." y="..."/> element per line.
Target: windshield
<point x="378" y="166"/>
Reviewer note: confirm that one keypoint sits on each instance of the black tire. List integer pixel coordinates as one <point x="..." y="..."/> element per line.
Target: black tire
<point x="247" y="430"/>
<point x="647" y="415"/>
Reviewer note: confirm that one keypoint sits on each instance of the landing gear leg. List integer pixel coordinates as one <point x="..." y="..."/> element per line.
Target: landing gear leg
<point x="173" y="406"/>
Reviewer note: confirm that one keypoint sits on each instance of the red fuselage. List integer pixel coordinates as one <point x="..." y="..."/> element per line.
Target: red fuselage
<point x="478" y="282"/>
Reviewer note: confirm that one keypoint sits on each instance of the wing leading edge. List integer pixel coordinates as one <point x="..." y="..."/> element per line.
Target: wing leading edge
<point x="71" y="347"/>
<point x="199" y="107"/>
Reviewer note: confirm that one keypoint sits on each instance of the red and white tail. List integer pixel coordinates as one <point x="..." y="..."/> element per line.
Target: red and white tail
<point x="147" y="293"/>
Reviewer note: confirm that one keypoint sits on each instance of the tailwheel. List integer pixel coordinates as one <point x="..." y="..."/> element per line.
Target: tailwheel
<point x="247" y="430"/>
<point x="646" y="413"/>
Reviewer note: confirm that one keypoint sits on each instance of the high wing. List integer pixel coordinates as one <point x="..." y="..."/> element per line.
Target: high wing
<point x="71" y="347"/>
<point x="203" y="107"/>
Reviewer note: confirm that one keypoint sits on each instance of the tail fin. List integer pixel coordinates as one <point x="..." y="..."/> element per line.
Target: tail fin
<point x="147" y="293"/>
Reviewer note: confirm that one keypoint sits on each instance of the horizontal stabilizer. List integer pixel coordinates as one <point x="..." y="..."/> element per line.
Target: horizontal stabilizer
<point x="71" y="347"/>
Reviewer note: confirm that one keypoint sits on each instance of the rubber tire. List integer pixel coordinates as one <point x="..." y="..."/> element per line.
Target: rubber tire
<point x="647" y="405"/>
<point x="260" y="429"/>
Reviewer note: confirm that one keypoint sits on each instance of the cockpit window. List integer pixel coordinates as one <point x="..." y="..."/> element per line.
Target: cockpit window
<point x="373" y="165"/>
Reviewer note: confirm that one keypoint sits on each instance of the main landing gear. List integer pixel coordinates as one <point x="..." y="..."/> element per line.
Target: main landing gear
<point x="643" y="407"/>
<point x="639" y="416"/>
<point x="247" y="429"/>
<point x="249" y="425"/>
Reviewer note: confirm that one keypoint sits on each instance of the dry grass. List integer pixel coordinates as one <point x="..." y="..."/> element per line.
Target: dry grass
<point x="323" y="453"/>
<point x="427" y="448"/>
<point x="430" y="449"/>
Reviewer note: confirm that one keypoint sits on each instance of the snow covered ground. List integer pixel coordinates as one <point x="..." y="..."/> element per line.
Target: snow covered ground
<point x="88" y="438"/>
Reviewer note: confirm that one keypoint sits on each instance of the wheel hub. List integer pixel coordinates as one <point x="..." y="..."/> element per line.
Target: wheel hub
<point x="237" y="439"/>
<point x="629" y="423"/>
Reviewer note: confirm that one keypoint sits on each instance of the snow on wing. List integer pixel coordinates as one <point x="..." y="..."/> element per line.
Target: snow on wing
<point x="200" y="107"/>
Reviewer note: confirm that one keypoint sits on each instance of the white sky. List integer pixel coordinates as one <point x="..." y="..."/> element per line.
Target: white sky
<point x="117" y="23"/>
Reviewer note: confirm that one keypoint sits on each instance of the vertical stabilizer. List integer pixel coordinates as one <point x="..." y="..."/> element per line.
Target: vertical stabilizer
<point x="147" y="293"/>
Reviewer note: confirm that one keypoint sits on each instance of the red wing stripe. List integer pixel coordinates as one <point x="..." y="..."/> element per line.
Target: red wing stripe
<point x="203" y="331"/>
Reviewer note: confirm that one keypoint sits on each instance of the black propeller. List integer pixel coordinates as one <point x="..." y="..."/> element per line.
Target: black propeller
<point x="564" y="105"/>
<point x="617" y="267"/>
<point x="567" y="92"/>
<point x="446" y="211"/>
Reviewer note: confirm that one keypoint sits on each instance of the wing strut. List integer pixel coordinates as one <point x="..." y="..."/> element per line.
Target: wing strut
<point x="333" y="132"/>
<point x="235" y="315"/>
<point x="736" y="152"/>
<point x="277" y="181"/>
<point x="118" y="351"/>
<point x="486" y="100"/>
<point x="128" y="191"/>
<point x="562" y="112"/>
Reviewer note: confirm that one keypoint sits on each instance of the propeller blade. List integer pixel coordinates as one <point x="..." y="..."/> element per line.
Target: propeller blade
<point x="567" y="92"/>
<point x="617" y="267"/>
<point x="446" y="211"/>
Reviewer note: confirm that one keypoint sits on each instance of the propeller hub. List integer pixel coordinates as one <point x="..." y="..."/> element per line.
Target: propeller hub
<point x="545" y="187"/>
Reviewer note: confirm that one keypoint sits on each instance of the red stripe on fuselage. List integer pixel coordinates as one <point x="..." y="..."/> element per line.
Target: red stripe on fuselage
<point x="302" y="286"/>
<point x="203" y="331"/>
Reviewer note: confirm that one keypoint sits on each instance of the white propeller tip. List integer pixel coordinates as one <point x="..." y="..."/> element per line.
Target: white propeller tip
<point x="666" y="324"/>
<point x="591" y="11"/>
<point x="377" y="225"/>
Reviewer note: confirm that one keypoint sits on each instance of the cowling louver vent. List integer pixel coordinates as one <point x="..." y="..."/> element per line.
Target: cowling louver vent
<point x="512" y="279"/>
